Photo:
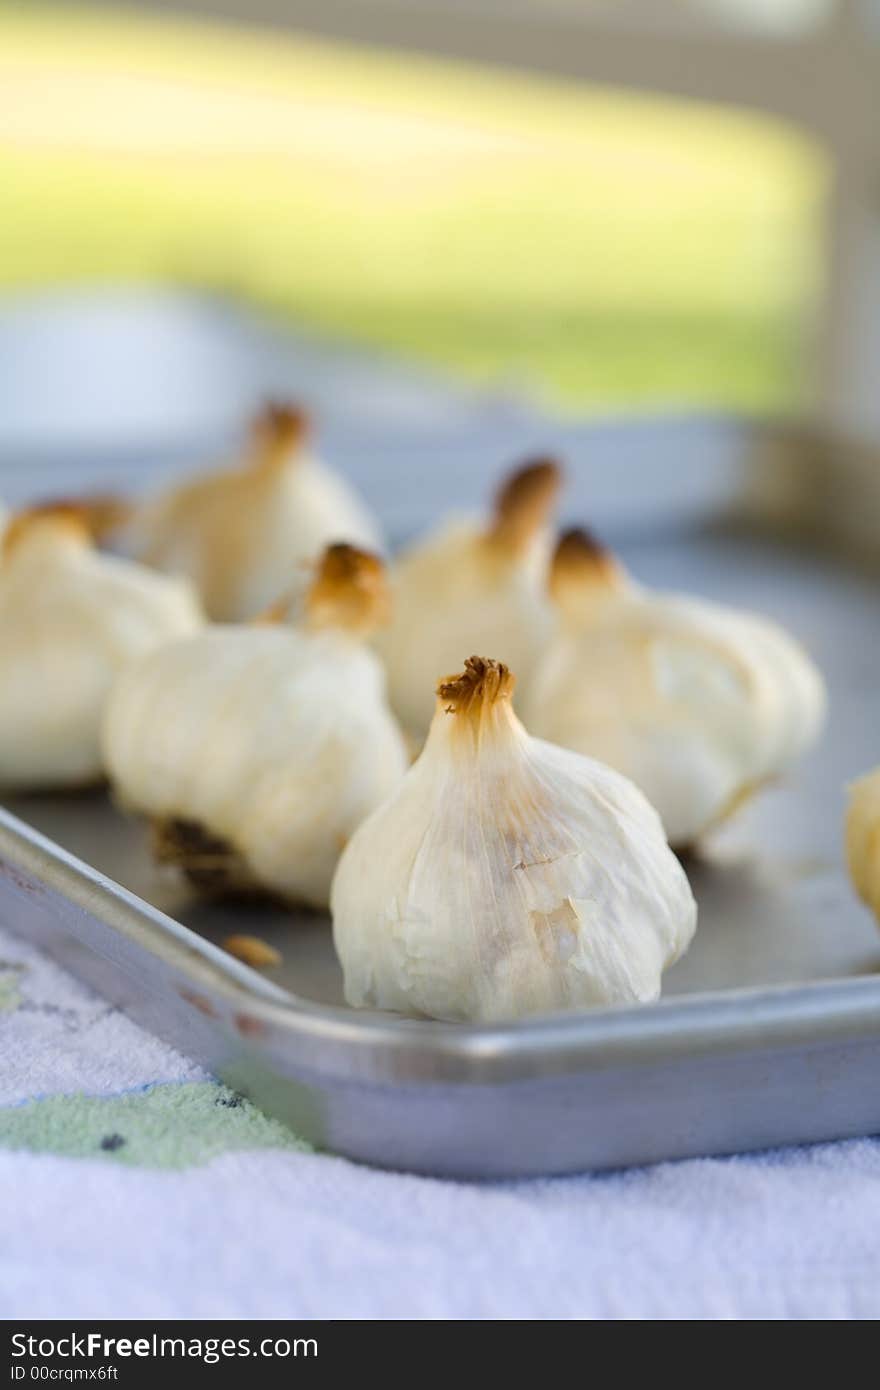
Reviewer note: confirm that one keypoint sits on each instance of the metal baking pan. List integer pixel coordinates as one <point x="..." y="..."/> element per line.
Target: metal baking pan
<point x="768" y="1032"/>
<point x="769" y="1029"/>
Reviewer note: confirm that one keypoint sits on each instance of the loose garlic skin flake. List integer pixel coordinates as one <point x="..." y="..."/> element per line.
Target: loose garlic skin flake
<point x="257" y="750"/>
<point x="242" y="534"/>
<point x="698" y="704"/>
<point x="863" y="839"/>
<point x="472" y="587"/>
<point x="71" y="619"/>
<point x="505" y="876"/>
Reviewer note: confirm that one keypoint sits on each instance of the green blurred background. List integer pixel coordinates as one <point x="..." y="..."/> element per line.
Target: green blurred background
<point x="592" y="248"/>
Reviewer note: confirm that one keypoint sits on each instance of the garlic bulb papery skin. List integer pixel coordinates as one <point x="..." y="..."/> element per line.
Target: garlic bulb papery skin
<point x="473" y="587"/>
<point x="242" y="535"/>
<point x="505" y="876"/>
<point x="70" y="620"/>
<point x="863" y="839"/>
<point x="257" y="750"/>
<point x="697" y="703"/>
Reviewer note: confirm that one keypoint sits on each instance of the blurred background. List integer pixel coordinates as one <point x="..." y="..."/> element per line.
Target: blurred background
<point x="571" y="209"/>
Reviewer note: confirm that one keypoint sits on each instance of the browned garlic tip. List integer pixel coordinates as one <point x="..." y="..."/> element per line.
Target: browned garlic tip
<point x="350" y="590"/>
<point x="61" y="516"/>
<point x="478" y="686"/>
<point x="92" y="518"/>
<point x="276" y="430"/>
<point x="524" y="502"/>
<point x="581" y="560"/>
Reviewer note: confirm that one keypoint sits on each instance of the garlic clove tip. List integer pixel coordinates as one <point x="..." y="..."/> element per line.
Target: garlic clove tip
<point x="277" y="431"/>
<point x="350" y="590"/>
<point x="524" y="503"/>
<point x="482" y="682"/>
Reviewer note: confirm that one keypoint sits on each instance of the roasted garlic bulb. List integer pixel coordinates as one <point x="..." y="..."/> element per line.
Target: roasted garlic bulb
<point x="70" y="620"/>
<point x="698" y="704"/>
<point x="505" y="876"/>
<point x="257" y="750"/>
<point x="473" y="587"/>
<point x="244" y="534"/>
<point x="863" y="839"/>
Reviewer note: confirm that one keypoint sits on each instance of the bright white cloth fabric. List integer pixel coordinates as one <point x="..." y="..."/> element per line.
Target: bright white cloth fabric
<point x="260" y="1230"/>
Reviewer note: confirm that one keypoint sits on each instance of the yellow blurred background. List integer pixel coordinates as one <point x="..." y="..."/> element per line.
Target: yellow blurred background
<point x="590" y="247"/>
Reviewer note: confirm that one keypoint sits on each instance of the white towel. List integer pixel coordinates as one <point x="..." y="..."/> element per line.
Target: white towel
<point x="134" y="1186"/>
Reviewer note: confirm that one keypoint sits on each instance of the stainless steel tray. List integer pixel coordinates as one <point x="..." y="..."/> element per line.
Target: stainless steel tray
<point x="769" y="1031"/>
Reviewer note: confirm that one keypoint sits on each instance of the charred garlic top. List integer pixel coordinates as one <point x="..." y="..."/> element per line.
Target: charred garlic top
<point x="472" y="586"/>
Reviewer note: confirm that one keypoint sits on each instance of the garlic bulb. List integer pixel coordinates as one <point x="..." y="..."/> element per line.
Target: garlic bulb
<point x="506" y="876"/>
<point x="242" y="534"/>
<point x="472" y="587"/>
<point x="863" y="839"/>
<point x="70" y="620"/>
<point x="697" y="703"/>
<point x="257" y="750"/>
